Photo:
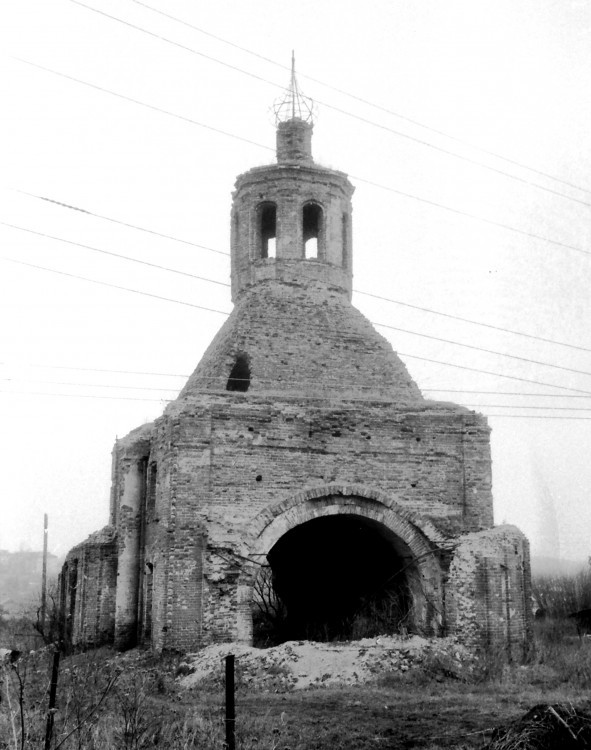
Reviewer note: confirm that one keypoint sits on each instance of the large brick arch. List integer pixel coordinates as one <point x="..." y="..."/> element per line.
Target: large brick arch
<point x="274" y="521"/>
<point x="421" y="541"/>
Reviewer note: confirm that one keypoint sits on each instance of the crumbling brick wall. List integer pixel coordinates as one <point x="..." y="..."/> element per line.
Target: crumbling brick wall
<point x="298" y="410"/>
<point x="489" y="593"/>
<point x="87" y="587"/>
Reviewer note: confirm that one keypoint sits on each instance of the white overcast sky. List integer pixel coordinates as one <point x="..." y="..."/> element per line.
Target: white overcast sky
<point x="482" y="79"/>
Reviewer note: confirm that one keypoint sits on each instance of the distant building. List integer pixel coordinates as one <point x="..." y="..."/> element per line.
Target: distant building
<point x="20" y="579"/>
<point x="300" y="443"/>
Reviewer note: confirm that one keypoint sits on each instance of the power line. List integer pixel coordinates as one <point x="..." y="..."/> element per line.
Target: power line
<point x="526" y="406"/>
<point x="155" y="400"/>
<point x="457" y="212"/>
<point x="101" y="369"/>
<point x="201" y="278"/>
<point x="473" y="322"/>
<point x="533" y="416"/>
<point x="365" y="101"/>
<point x="357" y="291"/>
<point x="495" y="374"/>
<point x="117" y="221"/>
<point x="336" y="109"/>
<point x="264" y="381"/>
<point x="483" y="349"/>
<point x="145" y="104"/>
<point x="501" y="393"/>
<point x="82" y="395"/>
<point x="201" y="307"/>
<point x="115" y="286"/>
<point x="116" y="255"/>
<point x="185" y="375"/>
<point x="89" y="385"/>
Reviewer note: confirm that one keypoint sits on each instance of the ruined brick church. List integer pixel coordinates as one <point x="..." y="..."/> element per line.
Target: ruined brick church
<point x="299" y="448"/>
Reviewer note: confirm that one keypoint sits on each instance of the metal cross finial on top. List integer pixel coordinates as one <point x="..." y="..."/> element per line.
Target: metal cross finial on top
<point x="293" y="105"/>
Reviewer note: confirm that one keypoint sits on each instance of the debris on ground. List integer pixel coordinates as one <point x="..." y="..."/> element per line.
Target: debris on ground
<point x="545" y="727"/>
<point x="301" y="664"/>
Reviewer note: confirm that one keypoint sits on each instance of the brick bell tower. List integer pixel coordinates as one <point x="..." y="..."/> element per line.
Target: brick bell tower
<point x="291" y="221"/>
<point x="300" y="447"/>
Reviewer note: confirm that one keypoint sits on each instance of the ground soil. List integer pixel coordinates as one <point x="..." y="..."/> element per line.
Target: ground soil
<point x="412" y="714"/>
<point x="377" y="693"/>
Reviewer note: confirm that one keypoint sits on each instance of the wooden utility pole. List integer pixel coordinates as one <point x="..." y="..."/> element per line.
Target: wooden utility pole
<point x="44" y="577"/>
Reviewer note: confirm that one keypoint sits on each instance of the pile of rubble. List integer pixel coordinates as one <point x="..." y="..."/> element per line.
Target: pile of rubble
<point x="301" y="664"/>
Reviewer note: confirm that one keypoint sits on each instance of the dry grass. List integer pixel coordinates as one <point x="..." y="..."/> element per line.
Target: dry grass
<point x="132" y="702"/>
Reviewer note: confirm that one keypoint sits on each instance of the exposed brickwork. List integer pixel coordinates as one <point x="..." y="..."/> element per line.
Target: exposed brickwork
<point x="88" y="584"/>
<point x="489" y="593"/>
<point x="319" y="420"/>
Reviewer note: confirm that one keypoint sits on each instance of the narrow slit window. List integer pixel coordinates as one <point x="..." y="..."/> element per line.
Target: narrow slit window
<point x="151" y="494"/>
<point x="345" y="240"/>
<point x="239" y="379"/>
<point x="312" y="222"/>
<point x="267" y="230"/>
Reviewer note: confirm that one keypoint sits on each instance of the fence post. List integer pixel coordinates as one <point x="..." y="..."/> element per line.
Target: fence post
<point x="230" y="704"/>
<point x="52" y="696"/>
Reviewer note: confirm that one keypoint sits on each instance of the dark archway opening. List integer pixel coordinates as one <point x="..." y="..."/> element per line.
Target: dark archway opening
<point x="239" y="379"/>
<point x="333" y="578"/>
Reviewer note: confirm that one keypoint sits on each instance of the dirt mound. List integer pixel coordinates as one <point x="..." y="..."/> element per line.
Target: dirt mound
<point x="301" y="664"/>
<point x="545" y="727"/>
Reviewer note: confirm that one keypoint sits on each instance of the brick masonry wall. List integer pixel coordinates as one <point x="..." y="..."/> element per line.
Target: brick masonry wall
<point x="330" y="423"/>
<point x="226" y="459"/>
<point x="489" y="592"/>
<point x="89" y="595"/>
<point x="304" y="341"/>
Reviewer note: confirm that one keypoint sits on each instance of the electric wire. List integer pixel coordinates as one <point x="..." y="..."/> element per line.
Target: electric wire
<point x="495" y="374"/>
<point x="145" y="104"/>
<point x="473" y="322"/>
<point x="381" y="325"/>
<point x="75" y="368"/>
<point x="334" y="108"/>
<point x="89" y="385"/>
<point x="502" y="393"/>
<point x="264" y="381"/>
<point x="116" y="255"/>
<point x="82" y="395"/>
<point x="155" y="400"/>
<point x="526" y="406"/>
<point x="363" y="100"/>
<point x="482" y="349"/>
<point x="469" y="215"/>
<point x="118" y="221"/>
<point x="357" y="291"/>
<point x="114" y="286"/>
<point x="99" y="369"/>
<point x="201" y="307"/>
<point x="411" y="196"/>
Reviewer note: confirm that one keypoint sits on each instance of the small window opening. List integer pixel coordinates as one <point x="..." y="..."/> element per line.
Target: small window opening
<point x="239" y="379"/>
<point x="312" y="220"/>
<point x="268" y="230"/>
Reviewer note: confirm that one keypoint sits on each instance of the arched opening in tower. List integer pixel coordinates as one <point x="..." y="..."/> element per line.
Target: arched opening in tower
<point x="239" y="379"/>
<point x="340" y="577"/>
<point x="267" y="230"/>
<point x="312" y="223"/>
